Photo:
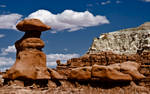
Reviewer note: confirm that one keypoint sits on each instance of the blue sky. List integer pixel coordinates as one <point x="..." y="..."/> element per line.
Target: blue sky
<point x="74" y="24"/>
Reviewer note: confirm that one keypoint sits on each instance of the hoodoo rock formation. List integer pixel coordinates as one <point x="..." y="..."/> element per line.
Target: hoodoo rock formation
<point x="30" y="60"/>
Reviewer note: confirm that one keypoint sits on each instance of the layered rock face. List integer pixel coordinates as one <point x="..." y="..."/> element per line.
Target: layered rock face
<point x="109" y="53"/>
<point x="126" y="71"/>
<point x="121" y="71"/>
<point x="127" y="41"/>
<point x="30" y="60"/>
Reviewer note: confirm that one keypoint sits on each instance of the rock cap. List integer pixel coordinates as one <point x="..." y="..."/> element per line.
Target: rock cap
<point x="27" y="25"/>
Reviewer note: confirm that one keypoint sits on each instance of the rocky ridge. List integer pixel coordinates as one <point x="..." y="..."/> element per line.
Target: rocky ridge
<point x="129" y="45"/>
<point x="127" y="41"/>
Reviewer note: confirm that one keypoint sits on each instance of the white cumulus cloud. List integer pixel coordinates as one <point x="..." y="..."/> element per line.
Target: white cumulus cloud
<point x="51" y="58"/>
<point x="2" y="6"/>
<point x="2" y="35"/>
<point x="69" y="20"/>
<point x="9" y="49"/>
<point x="118" y="2"/>
<point x="9" y="21"/>
<point x="6" y="63"/>
<point x="147" y="0"/>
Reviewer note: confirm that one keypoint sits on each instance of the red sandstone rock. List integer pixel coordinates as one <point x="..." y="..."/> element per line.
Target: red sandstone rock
<point x="107" y="58"/>
<point x="32" y="25"/>
<point x="30" y="60"/>
<point x="32" y="43"/>
<point x="81" y="73"/>
<point x="29" y="65"/>
<point x="114" y="60"/>
<point x="54" y="74"/>
<point x="121" y="71"/>
<point x="107" y="72"/>
<point x="132" y="69"/>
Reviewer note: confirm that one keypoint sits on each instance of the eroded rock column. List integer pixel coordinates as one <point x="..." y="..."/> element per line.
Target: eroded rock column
<point x="30" y="60"/>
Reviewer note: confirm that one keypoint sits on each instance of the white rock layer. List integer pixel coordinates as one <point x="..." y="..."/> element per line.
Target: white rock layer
<point x="127" y="41"/>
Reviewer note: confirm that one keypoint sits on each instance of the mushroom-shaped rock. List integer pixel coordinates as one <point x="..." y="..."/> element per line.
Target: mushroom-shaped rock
<point x="30" y="60"/>
<point x="32" y="25"/>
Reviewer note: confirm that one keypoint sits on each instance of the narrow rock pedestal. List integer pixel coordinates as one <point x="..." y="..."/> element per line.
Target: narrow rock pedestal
<point x="30" y="60"/>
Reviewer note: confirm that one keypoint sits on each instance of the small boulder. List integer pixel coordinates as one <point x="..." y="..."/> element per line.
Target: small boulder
<point x="126" y="71"/>
<point x="81" y="73"/>
<point x="132" y="69"/>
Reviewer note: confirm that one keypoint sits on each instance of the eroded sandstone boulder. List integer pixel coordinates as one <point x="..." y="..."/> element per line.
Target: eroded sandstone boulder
<point x="126" y="71"/>
<point x="30" y="60"/>
<point x="106" y="72"/>
<point x="131" y="68"/>
<point x="81" y="73"/>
